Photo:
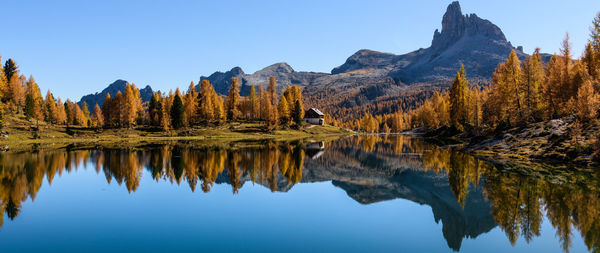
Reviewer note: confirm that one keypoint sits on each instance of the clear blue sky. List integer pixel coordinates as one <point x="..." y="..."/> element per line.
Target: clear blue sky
<point x="78" y="47"/>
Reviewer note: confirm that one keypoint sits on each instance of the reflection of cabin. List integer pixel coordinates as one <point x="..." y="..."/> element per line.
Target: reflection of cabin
<point x="314" y="150"/>
<point x="314" y="116"/>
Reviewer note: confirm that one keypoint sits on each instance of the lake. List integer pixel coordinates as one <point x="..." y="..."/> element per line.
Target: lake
<point x="354" y="194"/>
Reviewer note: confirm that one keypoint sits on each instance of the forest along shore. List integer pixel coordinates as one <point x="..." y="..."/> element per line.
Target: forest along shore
<point x="19" y="134"/>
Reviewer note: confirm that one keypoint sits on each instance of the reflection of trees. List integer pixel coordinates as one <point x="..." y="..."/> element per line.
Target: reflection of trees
<point x="518" y="202"/>
<point x="22" y="174"/>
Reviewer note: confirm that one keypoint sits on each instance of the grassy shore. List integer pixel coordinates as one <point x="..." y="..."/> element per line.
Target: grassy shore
<point x="24" y="134"/>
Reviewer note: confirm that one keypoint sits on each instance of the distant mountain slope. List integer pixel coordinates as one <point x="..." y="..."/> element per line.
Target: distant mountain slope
<point x="284" y="73"/>
<point x="113" y="88"/>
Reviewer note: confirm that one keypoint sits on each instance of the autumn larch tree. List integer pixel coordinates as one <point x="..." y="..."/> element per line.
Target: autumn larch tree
<point x="130" y="106"/>
<point x="283" y="110"/>
<point x="50" y="109"/>
<point x="97" y="117"/>
<point x="61" y="117"/>
<point x="85" y="111"/>
<point x="206" y="105"/>
<point x="254" y="103"/>
<point x="191" y="105"/>
<point x="106" y="110"/>
<point x="533" y="78"/>
<point x="233" y="100"/>
<point x="458" y="99"/>
<point x="115" y="110"/>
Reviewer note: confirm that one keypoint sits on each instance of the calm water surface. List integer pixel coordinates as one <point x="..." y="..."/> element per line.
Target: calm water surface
<point x="357" y="194"/>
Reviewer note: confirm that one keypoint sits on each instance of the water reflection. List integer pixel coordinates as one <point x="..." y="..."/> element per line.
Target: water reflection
<point x="469" y="196"/>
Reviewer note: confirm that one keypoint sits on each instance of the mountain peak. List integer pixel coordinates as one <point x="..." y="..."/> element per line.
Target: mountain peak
<point x="455" y="25"/>
<point x="280" y="67"/>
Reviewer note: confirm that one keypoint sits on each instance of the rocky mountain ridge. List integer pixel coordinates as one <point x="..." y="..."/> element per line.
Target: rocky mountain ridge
<point x="367" y="75"/>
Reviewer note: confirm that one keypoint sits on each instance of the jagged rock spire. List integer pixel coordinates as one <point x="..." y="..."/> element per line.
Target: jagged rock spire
<point x="455" y="25"/>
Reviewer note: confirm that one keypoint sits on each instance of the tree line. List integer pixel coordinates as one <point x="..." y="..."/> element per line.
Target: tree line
<point x="175" y="110"/>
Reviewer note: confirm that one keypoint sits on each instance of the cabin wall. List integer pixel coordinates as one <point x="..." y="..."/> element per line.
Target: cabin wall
<point x="315" y="121"/>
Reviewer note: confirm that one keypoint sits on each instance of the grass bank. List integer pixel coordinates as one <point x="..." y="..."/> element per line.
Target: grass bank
<point x="24" y="134"/>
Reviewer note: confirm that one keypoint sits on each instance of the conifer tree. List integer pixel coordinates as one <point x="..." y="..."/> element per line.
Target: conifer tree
<point x="206" y="108"/>
<point x="130" y="106"/>
<point x="155" y="110"/>
<point x="16" y="92"/>
<point x="3" y="83"/>
<point x="51" y="111"/>
<point x="177" y="112"/>
<point x="553" y="86"/>
<point x="283" y="110"/>
<point x="298" y="112"/>
<point x="458" y="99"/>
<point x="29" y="106"/>
<point x="10" y="69"/>
<point x="272" y="90"/>
<point x="587" y="102"/>
<point x="191" y="104"/>
<point x="233" y="100"/>
<point x="97" y="117"/>
<point x="61" y="115"/>
<point x="533" y="78"/>
<point x="106" y="110"/>
<point x="254" y="103"/>
<point x="115" y="110"/>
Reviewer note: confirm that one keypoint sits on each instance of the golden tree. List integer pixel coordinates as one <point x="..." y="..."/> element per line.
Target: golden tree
<point x="51" y="111"/>
<point x="254" y="103"/>
<point x="458" y="99"/>
<point x="284" y="111"/>
<point x="233" y="100"/>
<point x="206" y="109"/>
<point x="97" y="117"/>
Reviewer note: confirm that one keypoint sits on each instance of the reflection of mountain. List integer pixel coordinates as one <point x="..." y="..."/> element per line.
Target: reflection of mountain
<point x="375" y="177"/>
<point x="369" y="169"/>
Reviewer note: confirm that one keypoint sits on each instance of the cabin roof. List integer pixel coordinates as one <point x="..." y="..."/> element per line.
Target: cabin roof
<point x="317" y="111"/>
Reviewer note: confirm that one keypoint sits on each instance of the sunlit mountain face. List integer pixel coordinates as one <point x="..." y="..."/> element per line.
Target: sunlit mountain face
<point x="430" y="198"/>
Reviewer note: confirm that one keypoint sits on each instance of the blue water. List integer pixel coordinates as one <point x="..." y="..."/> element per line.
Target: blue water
<point x="81" y="212"/>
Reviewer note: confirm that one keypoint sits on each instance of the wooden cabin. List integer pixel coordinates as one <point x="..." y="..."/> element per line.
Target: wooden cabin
<point x="314" y="116"/>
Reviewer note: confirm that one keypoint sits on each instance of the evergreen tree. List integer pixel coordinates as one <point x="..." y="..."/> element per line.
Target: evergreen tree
<point x="155" y="110"/>
<point x="29" y="106"/>
<point x="177" y="112"/>
<point x="10" y="69"/>
<point x="298" y="113"/>
<point x="458" y="99"/>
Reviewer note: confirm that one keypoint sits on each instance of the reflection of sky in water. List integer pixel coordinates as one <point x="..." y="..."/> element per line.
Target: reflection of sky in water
<point x="81" y="212"/>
